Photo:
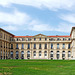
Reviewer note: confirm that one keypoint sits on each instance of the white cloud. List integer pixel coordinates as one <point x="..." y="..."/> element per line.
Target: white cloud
<point x="50" y="4"/>
<point x="68" y="17"/>
<point x="15" y="18"/>
<point x="11" y="28"/>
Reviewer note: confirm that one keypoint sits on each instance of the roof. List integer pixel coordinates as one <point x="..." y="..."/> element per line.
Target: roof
<point x="58" y="36"/>
<point x="72" y="30"/>
<point x="22" y="36"/>
<point x="7" y="32"/>
<point x="32" y="36"/>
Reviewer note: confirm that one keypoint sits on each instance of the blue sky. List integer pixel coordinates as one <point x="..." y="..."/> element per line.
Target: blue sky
<point x="31" y="17"/>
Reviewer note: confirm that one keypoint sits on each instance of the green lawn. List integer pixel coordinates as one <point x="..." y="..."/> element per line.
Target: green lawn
<point x="37" y="67"/>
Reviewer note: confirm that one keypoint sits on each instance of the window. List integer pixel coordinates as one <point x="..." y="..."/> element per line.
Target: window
<point x="57" y="45"/>
<point x="45" y="53"/>
<point x="69" y="39"/>
<point x="45" y="39"/>
<point x="57" y="55"/>
<point x="68" y="46"/>
<point x="69" y="54"/>
<point x="11" y="46"/>
<point x="34" y="46"/>
<point x="39" y="46"/>
<point x="22" y="46"/>
<point x="40" y="39"/>
<point x="28" y="46"/>
<point x="17" y="56"/>
<point x="34" y="39"/>
<point x="34" y="53"/>
<point x="51" y="46"/>
<point x="63" y="39"/>
<point x="17" y="39"/>
<point x="45" y="46"/>
<point x="63" y="46"/>
<point x="11" y="54"/>
<point x="58" y="39"/>
<point x="51" y="55"/>
<point x="22" y="54"/>
<point x="16" y="46"/>
<point x="22" y="39"/>
<point x="63" y="54"/>
<point x="39" y="53"/>
<point x="28" y="54"/>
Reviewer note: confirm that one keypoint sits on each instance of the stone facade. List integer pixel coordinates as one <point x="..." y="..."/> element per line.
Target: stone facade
<point x="37" y="47"/>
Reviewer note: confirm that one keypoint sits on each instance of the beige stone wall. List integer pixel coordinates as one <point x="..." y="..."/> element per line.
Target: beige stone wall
<point x="6" y="41"/>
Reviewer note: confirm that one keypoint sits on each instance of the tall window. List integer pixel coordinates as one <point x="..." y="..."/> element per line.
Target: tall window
<point x="69" y="54"/>
<point x="63" y="46"/>
<point x="17" y="54"/>
<point x="51" y="45"/>
<point x="57" y="55"/>
<point x="45" y="46"/>
<point x="22" y="46"/>
<point x="63" y="54"/>
<point x="28" y="46"/>
<point x="39" y="53"/>
<point x="34" y="46"/>
<point x="39" y="46"/>
<point x="51" y="54"/>
<point x="34" y="53"/>
<point x="57" y="45"/>
<point x="11" y="54"/>
<point x="68" y="46"/>
<point x="11" y="46"/>
<point x="22" y="54"/>
<point x="16" y="46"/>
<point x="45" y="53"/>
<point x="28" y="54"/>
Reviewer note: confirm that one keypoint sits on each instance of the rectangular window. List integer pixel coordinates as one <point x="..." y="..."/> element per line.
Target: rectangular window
<point x="68" y="46"/>
<point x="28" y="46"/>
<point x="34" y="46"/>
<point x="39" y="46"/>
<point x="57" y="45"/>
<point x="63" y="46"/>
<point x="11" y="46"/>
<point x="22" y="46"/>
<point x="51" y="46"/>
<point x="45" y="46"/>
<point x="16" y="46"/>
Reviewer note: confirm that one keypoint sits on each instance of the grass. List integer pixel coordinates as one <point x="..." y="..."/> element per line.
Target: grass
<point x="37" y="67"/>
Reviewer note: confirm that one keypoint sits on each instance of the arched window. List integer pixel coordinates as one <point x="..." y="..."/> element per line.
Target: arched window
<point x="45" y="54"/>
<point x="63" y="54"/>
<point x="34" y="54"/>
<point x="57" y="55"/>
<point x="40" y="54"/>
<point x="17" y="54"/>
<point x="51" y="54"/>
<point x="11" y="54"/>
<point x="69" y="53"/>
<point x="22" y="54"/>
<point x="1" y="54"/>
<point x="28" y="54"/>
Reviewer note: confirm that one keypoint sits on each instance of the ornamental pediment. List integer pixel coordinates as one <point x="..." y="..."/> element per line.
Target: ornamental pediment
<point x="40" y="35"/>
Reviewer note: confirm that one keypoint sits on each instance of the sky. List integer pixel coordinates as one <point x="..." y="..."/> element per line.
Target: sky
<point x="32" y="17"/>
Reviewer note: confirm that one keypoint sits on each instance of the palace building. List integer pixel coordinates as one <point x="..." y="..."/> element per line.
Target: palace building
<point x="37" y="47"/>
